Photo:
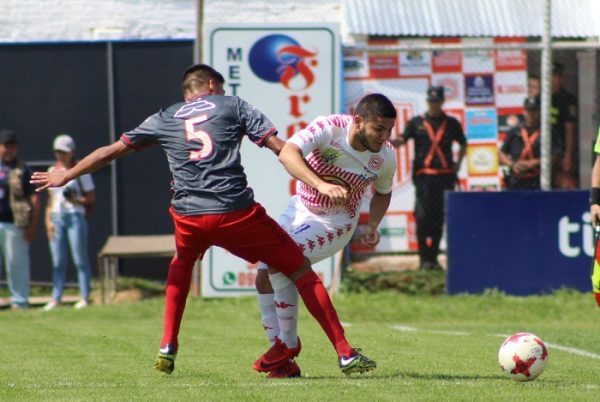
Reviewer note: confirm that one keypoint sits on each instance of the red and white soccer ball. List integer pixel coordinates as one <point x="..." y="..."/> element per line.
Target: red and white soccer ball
<point x="523" y="356"/>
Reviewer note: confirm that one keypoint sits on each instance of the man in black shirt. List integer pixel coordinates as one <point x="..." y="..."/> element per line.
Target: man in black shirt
<point x="521" y="150"/>
<point x="434" y="171"/>
<point x="19" y="212"/>
<point x="563" y="117"/>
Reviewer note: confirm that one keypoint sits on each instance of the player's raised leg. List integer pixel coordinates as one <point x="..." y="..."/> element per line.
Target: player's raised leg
<point x="278" y="250"/>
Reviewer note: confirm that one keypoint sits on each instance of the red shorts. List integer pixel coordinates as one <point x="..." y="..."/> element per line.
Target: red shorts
<point x="249" y="233"/>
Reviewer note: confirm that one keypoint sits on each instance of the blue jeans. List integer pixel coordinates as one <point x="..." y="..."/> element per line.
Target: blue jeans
<point x="15" y="253"/>
<point x="70" y="229"/>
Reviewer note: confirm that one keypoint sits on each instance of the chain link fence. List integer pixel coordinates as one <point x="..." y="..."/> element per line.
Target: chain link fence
<point x="483" y="134"/>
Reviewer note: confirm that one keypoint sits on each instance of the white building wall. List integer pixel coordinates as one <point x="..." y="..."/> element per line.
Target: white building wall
<point x="88" y="20"/>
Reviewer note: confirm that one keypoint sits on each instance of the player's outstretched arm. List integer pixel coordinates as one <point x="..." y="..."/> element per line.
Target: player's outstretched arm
<point x="293" y="160"/>
<point x="461" y="155"/>
<point x="377" y="209"/>
<point x="275" y="144"/>
<point x="92" y="162"/>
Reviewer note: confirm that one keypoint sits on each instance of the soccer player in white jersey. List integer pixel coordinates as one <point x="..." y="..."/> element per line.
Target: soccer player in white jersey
<point x="334" y="159"/>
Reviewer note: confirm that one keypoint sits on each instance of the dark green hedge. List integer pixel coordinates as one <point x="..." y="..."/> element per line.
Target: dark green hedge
<point x="409" y="282"/>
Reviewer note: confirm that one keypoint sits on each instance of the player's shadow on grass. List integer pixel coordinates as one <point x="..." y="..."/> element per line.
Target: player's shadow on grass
<point x="404" y="374"/>
<point x="452" y="377"/>
<point x="441" y="376"/>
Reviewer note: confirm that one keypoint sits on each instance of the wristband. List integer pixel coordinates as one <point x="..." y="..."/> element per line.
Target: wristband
<point x="595" y="196"/>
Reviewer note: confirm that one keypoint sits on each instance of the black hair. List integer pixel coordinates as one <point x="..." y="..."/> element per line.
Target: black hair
<point x="197" y="75"/>
<point x="375" y="105"/>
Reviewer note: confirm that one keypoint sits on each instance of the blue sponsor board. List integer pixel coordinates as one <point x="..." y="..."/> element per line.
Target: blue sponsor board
<point x="519" y="242"/>
<point x="481" y="124"/>
<point x="479" y="89"/>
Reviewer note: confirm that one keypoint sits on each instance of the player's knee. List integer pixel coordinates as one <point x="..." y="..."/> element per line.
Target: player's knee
<point x="183" y="261"/>
<point x="302" y="270"/>
<point x="262" y="282"/>
<point x="279" y="281"/>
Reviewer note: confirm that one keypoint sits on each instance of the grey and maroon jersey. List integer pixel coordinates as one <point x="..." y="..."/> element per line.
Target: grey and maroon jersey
<point x="202" y="139"/>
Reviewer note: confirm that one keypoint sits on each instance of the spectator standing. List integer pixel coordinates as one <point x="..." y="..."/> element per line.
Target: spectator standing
<point x="533" y="85"/>
<point x="563" y="117"/>
<point x="19" y="212"/>
<point x="521" y="150"/>
<point x="66" y="224"/>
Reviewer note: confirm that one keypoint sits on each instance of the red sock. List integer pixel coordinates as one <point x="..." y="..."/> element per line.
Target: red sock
<point x="319" y="304"/>
<point x="178" y="287"/>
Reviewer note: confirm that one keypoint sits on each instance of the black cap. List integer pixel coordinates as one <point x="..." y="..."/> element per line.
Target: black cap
<point x="7" y="137"/>
<point x="532" y="102"/>
<point x="435" y="94"/>
<point x="557" y="68"/>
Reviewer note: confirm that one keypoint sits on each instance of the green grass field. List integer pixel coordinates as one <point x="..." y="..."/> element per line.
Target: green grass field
<point x="427" y="348"/>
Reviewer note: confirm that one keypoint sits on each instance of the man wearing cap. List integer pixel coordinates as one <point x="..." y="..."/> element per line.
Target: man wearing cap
<point x="66" y="224"/>
<point x="434" y="171"/>
<point x="563" y="117"/>
<point x="521" y="149"/>
<point x="19" y="211"/>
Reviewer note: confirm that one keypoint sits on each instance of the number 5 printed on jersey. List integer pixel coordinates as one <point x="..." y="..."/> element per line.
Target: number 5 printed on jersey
<point x="198" y="136"/>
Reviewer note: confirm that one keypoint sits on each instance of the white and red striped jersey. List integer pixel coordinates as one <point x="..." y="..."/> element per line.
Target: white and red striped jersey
<point x="324" y="144"/>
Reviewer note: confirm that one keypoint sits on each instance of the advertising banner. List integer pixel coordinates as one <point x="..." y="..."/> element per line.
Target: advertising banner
<point x="446" y="61"/>
<point x="415" y="62"/>
<point x="520" y="243"/>
<point x="482" y="159"/>
<point x="481" y="124"/>
<point x="292" y="74"/>
<point x="511" y="89"/>
<point x="479" y="89"/>
<point x="484" y="90"/>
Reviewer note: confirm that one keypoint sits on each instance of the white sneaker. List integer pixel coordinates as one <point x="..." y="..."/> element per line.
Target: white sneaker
<point x="50" y="305"/>
<point x="81" y="304"/>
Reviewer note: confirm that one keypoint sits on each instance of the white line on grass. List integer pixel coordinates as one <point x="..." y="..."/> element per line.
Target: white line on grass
<point x="568" y="349"/>
<point x="431" y="331"/>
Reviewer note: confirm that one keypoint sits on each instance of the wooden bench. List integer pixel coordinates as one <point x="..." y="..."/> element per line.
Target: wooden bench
<point x="134" y="247"/>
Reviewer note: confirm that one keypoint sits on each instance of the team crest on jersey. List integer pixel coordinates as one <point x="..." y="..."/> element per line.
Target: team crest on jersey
<point x="330" y="155"/>
<point x="375" y="162"/>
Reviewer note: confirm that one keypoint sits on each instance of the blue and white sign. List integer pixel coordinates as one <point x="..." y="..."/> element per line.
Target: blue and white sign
<point x="481" y="125"/>
<point x="479" y="89"/>
<point x="290" y="72"/>
<point x="520" y="243"/>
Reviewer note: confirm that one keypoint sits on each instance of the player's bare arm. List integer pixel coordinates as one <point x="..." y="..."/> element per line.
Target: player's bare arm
<point x="92" y="162"/>
<point x="505" y="160"/>
<point x="50" y="229"/>
<point x="293" y="160"/>
<point x="461" y="155"/>
<point x="275" y="144"/>
<point x="398" y="142"/>
<point x="595" y="203"/>
<point x="377" y="209"/>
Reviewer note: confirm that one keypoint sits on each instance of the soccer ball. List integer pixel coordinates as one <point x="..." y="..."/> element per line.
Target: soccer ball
<point x="523" y="356"/>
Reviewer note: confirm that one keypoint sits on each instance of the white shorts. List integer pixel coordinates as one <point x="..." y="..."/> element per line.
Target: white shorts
<point x="319" y="236"/>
